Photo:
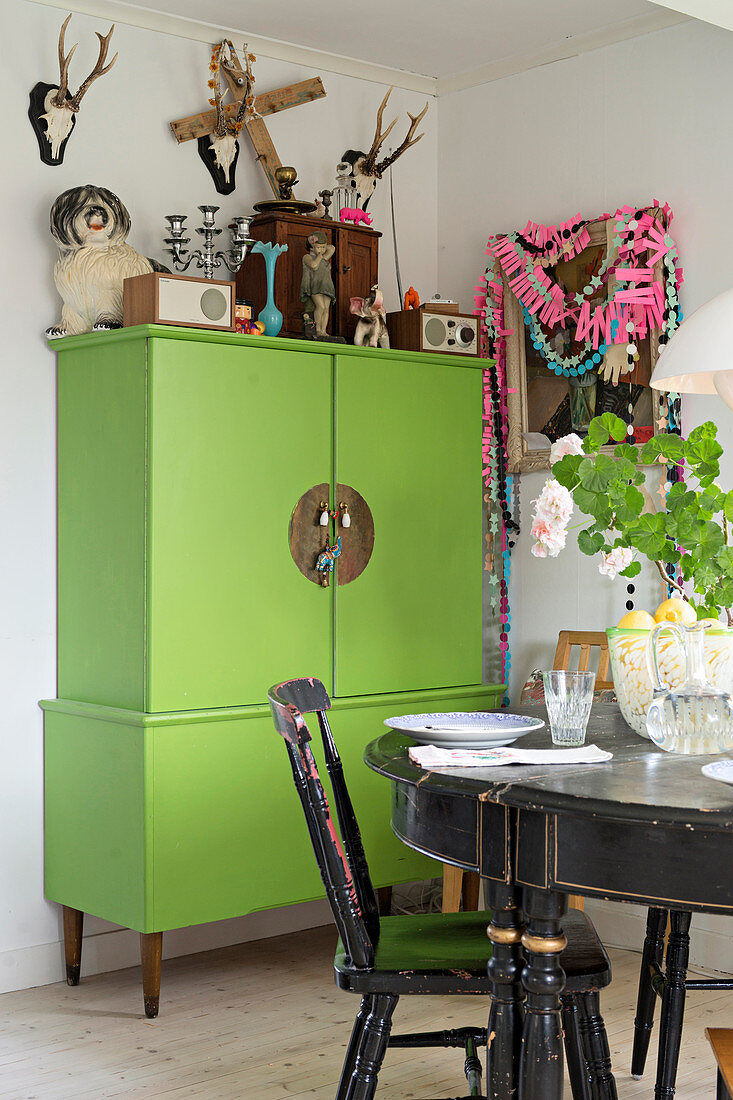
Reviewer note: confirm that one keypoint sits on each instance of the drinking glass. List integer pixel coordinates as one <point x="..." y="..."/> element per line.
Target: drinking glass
<point x="568" y="698"/>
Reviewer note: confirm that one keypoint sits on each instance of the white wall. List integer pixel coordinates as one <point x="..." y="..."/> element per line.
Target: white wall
<point x="122" y="141"/>
<point x="640" y="120"/>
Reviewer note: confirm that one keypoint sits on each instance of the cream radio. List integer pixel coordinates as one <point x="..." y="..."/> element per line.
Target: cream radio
<point x="423" y="330"/>
<point x="162" y="299"/>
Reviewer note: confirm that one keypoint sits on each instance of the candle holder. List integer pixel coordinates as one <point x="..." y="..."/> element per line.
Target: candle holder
<point x="206" y="257"/>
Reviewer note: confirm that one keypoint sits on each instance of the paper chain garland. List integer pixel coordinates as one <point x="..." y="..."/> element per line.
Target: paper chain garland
<point x="628" y="312"/>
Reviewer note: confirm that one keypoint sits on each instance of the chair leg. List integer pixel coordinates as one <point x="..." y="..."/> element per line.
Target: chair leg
<point x="656" y="924"/>
<point x="350" y="1059"/>
<point x="372" y="1047"/>
<point x="452" y="881"/>
<point x="597" y="1052"/>
<point x="577" y="1069"/>
<point x="673" y="1005"/>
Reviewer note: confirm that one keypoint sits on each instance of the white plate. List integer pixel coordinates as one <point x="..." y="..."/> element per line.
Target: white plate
<point x="465" y="729"/>
<point x="720" y="769"/>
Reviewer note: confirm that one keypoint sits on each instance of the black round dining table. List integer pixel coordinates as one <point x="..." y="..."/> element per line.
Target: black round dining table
<point x="646" y="826"/>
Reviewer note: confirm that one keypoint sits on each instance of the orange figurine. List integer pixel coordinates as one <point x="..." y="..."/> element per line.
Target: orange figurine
<point x="412" y="299"/>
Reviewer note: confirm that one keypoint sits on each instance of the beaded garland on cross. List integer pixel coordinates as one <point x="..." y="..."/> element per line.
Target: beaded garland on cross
<point x="635" y="302"/>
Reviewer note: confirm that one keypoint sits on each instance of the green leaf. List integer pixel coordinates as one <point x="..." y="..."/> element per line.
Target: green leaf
<point x="710" y="538"/>
<point x="724" y="559"/>
<point x="565" y="470"/>
<point x="728" y="506"/>
<point x="632" y="570"/>
<point x="626" y="450"/>
<point x="708" y="430"/>
<point x="596" y="473"/>
<point x="602" y="428"/>
<point x="648" y="535"/>
<point x="590" y="543"/>
<point x="669" y="445"/>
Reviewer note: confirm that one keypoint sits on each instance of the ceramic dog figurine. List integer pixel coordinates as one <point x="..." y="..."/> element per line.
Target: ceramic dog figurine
<point x="90" y="226"/>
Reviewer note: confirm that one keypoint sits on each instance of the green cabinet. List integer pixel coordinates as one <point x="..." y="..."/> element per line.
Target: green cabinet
<point x="182" y="454"/>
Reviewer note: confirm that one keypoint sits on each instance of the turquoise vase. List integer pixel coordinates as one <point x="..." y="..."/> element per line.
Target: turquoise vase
<point x="270" y="316"/>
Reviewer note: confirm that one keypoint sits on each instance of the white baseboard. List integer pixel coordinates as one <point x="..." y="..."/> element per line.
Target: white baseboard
<point x="711" y="948"/>
<point x="116" y="948"/>
<point x="119" y="947"/>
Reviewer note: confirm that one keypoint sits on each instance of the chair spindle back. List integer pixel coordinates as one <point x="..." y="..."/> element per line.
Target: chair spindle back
<point x="344" y="870"/>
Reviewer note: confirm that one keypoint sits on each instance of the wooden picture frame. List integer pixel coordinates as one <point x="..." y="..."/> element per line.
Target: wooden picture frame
<point x="522" y="455"/>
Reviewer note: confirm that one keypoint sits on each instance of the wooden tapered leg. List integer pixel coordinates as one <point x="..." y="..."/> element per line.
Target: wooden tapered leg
<point x="73" y="932"/>
<point x="576" y="901"/>
<point x="372" y="1047"/>
<point x="452" y="882"/>
<point x="151" y="954"/>
<point x="351" y="1051"/>
<point x="656" y="924"/>
<point x="574" y="1053"/>
<point x="543" y="978"/>
<point x="595" y="1046"/>
<point x="673" y="1005"/>
<point x="384" y="900"/>
<point x="506" y="1015"/>
<point x="470" y="891"/>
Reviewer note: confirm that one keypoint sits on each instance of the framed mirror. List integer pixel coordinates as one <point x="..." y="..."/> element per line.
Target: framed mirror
<point x="543" y="404"/>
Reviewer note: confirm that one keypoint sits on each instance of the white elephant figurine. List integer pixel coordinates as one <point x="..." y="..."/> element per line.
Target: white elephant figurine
<point x="372" y="328"/>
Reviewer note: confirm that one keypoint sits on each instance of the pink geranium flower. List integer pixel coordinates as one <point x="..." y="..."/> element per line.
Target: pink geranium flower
<point x="567" y="445"/>
<point x="550" y="537"/>
<point x="615" y="561"/>
<point x="554" y="504"/>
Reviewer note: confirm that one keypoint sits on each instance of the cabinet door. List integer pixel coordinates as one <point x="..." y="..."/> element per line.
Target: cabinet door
<point x="408" y="438"/>
<point x="356" y="264"/>
<point x="237" y="434"/>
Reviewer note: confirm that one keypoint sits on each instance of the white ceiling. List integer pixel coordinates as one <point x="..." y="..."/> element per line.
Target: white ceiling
<point x="433" y="37"/>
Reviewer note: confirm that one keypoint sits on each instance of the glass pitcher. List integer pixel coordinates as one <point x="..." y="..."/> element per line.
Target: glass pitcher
<point x="695" y="718"/>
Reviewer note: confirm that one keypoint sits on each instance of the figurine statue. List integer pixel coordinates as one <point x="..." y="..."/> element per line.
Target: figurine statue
<point x="372" y="328"/>
<point x="326" y="561"/>
<point x="317" y="291"/>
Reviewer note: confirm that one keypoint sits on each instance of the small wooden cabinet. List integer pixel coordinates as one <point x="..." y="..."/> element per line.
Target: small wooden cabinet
<point x="354" y="268"/>
<point x="182" y="454"/>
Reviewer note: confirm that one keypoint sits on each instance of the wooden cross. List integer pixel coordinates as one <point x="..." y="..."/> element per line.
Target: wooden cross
<point x="292" y="95"/>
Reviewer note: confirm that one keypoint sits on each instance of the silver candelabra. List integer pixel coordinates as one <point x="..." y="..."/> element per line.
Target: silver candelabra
<point x="206" y="257"/>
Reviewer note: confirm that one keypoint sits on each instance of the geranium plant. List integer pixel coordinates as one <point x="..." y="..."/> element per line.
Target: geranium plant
<point x="624" y="527"/>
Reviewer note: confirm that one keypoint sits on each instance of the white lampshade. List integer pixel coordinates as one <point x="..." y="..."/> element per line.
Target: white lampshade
<point x="699" y="356"/>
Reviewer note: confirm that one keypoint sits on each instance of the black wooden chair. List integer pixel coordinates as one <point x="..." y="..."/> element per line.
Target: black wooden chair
<point x="436" y="953"/>
<point x="671" y="985"/>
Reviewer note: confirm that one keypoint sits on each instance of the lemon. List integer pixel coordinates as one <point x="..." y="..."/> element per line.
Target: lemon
<point x="636" y="620"/>
<point x="676" y="611"/>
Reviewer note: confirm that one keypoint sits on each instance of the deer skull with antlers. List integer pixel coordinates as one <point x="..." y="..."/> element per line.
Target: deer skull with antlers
<point x="53" y="110"/>
<point x="220" y="148"/>
<point x="360" y="171"/>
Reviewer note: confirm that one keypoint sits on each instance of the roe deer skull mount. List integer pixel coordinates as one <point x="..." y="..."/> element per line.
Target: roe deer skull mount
<point x="359" y="171"/>
<point x="53" y="109"/>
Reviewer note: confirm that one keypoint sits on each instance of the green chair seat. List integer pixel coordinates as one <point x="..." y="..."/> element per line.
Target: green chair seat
<point x="448" y="952"/>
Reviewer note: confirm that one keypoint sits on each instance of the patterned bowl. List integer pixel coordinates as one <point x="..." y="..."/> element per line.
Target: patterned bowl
<point x="631" y="677"/>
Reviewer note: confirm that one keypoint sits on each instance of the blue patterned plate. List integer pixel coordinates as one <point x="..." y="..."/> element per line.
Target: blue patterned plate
<point x="465" y="729"/>
<point x="720" y="769"/>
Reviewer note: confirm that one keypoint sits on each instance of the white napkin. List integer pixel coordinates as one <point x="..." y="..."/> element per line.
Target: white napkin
<point x="429" y="756"/>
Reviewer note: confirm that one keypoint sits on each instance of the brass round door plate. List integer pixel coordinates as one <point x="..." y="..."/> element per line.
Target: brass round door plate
<point x="307" y="538"/>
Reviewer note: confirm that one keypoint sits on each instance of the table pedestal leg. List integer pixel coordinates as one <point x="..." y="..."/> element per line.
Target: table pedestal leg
<point x="506" y="1015"/>
<point x="541" y="1063"/>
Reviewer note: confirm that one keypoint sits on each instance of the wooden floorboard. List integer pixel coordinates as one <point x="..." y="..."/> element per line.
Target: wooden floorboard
<point x="263" y="1021"/>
